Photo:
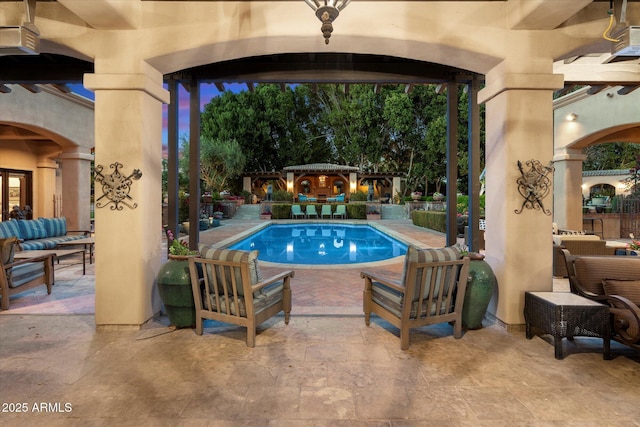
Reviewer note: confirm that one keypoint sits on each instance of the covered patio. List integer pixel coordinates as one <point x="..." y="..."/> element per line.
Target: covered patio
<point x="161" y="376"/>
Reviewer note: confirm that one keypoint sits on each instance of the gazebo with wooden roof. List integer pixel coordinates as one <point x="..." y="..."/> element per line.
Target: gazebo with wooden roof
<point x="324" y="180"/>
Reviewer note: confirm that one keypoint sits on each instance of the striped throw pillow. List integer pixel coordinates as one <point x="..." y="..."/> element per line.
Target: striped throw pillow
<point x="32" y="229"/>
<point x="9" y="229"/>
<point x="55" y="226"/>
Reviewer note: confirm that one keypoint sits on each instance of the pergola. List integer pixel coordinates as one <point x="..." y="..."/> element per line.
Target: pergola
<point x="338" y="68"/>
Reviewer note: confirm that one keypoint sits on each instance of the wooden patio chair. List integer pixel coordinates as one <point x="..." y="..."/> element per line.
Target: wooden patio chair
<point x="431" y="290"/>
<point x="22" y="275"/>
<point x="231" y="289"/>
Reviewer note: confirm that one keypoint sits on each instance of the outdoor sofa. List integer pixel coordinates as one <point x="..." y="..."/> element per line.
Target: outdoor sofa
<point x="41" y="233"/>
<point x="577" y="244"/>
<point x="613" y="281"/>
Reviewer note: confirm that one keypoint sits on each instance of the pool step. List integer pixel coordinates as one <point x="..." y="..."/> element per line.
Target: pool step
<point x="248" y="212"/>
<point x="392" y="212"/>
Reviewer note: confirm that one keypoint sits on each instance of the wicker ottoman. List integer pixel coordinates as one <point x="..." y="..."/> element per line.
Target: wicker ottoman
<point x="567" y="315"/>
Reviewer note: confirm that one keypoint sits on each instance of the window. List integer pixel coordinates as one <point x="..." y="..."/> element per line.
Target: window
<point x="16" y="190"/>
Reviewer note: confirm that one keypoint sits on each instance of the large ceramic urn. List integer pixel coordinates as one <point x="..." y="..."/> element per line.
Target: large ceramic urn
<point x="482" y="282"/>
<point x="174" y="286"/>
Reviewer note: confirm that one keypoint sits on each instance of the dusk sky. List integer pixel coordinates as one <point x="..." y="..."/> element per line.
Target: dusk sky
<point x="207" y="91"/>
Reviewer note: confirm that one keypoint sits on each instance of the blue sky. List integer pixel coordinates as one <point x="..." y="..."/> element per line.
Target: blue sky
<point x="207" y="92"/>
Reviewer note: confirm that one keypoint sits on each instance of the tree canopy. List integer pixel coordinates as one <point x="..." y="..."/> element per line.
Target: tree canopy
<point x="378" y="131"/>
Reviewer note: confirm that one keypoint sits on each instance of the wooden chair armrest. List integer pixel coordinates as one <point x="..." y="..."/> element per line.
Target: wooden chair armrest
<point x="41" y="258"/>
<point x="370" y="276"/>
<point x="619" y="301"/>
<point x="266" y="282"/>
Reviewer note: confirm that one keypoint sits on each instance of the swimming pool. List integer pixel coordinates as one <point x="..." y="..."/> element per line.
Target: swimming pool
<point x="322" y="244"/>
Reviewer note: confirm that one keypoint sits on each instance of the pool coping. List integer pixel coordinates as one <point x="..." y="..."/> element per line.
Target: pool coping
<point x="375" y="224"/>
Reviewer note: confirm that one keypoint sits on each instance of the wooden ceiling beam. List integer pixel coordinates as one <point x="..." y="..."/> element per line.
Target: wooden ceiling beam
<point x="62" y="87"/>
<point x="625" y="90"/>
<point x="31" y="88"/>
<point x="596" y="89"/>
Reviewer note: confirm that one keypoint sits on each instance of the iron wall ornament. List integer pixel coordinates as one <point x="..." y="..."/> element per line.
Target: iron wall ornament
<point x="116" y="187"/>
<point x="534" y="185"/>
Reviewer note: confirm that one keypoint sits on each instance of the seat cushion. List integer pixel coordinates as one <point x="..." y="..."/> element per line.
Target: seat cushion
<point x="49" y="242"/>
<point x="415" y="255"/>
<point x="591" y="270"/>
<point x="630" y="289"/>
<point x="250" y="257"/>
<point x="271" y="295"/>
<point x="392" y="300"/>
<point x="25" y="273"/>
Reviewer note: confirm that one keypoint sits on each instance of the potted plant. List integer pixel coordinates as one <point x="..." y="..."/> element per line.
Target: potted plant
<point x="174" y="284"/>
<point x="372" y="213"/>
<point x="416" y="195"/>
<point x="438" y="197"/>
<point x="633" y="248"/>
<point x="266" y="214"/>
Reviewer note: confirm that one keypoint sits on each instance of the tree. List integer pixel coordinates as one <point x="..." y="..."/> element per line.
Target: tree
<point x="617" y="155"/>
<point x="219" y="162"/>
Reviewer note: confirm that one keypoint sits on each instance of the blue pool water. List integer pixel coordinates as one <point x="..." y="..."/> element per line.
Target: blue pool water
<point x="321" y="244"/>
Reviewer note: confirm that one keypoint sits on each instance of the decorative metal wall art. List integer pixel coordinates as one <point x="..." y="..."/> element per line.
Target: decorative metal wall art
<point x="116" y="187"/>
<point x="534" y="185"/>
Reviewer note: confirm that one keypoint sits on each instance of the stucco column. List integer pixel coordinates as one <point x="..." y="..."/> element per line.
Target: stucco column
<point x="76" y="187"/>
<point x="128" y="124"/>
<point x="519" y="127"/>
<point x="567" y="196"/>
<point x="45" y="188"/>
<point x="396" y="188"/>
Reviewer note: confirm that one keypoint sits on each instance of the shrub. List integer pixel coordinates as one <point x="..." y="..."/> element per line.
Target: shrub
<point x="357" y="210"/>
<point x="430" y="219"/>
<point x="280" y="211"/>
<point x="358" y="196"/>
<point x="282" y="196"/>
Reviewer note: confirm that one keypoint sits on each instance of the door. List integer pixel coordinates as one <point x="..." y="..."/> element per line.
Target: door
<point x="17" y="190"/>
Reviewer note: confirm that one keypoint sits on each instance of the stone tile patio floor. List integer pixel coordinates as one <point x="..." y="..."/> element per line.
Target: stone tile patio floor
<point x="326" y="368"/>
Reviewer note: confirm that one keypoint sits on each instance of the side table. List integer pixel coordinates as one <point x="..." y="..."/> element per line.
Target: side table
<point x="566" y="315"/>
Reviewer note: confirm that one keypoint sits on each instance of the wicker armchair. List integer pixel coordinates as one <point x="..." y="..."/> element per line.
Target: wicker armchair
<point x="611" y="280"/>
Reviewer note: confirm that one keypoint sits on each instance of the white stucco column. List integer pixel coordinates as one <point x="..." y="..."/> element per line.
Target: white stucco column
<point x="353" y="184"/>
<point x="45" y="188"/>
<point x="76" y="187"/>
<point x="291" y="183"/>
<point x="128" y="123"/>
<point x="396" y="188"/>
<point x="567" y="196"/>
<point x="519" y="127"/>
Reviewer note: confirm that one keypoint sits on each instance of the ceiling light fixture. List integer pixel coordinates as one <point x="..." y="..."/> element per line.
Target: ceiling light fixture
<point x="327" y="11"/>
